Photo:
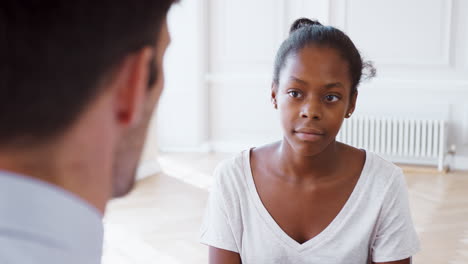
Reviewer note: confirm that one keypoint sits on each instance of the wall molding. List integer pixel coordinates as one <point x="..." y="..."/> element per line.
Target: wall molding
<point x="316" y="9"/>
<point x="226" y="57"/>
<point x="219" y="78"/>
<point x="416" y="84"/>
<point x="445" y="42"/>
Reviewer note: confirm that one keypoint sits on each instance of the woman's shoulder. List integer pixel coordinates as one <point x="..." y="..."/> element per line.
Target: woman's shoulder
<point x="230" y="173"/>
<point x="373" y="163"/>
<point x="381" y="163"/>
<point x="378" y="172"/>
<point x="382" y="172"/>
<point x="231" y="164"/>
<point x="239" y="165"/>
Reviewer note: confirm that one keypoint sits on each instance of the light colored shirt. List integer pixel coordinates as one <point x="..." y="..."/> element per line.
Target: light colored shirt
<point x="374" y="225"/>
<point x="43" y="224"/>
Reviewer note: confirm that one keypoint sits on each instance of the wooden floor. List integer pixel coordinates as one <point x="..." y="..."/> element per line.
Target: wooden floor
<point x="159" y="221"/>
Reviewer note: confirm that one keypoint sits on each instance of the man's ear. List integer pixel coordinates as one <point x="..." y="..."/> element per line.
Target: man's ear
<point x="131" y="84"/>
<point x="274" y="89"/>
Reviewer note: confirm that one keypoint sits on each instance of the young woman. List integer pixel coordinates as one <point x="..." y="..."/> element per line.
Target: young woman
<point x="309" y="198"/>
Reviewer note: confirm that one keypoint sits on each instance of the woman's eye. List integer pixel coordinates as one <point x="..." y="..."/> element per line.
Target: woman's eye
<point x="294" y="94"/>
<point x="331" y="98"/>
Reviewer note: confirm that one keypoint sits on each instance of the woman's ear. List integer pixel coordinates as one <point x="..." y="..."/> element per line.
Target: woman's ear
<point x="352" y="105"/>
<point x="274" y="88"/>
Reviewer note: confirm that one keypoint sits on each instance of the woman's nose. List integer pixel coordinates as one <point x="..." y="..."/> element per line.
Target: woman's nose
<point x="311" y="110"/>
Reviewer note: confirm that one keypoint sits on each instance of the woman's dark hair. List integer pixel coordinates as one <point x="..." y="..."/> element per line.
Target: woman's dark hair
<point x="305" y="32"/>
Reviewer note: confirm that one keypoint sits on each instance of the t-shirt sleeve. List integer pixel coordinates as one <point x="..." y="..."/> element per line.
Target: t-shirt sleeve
<point x="396" y="238"/>
<point x="216" y="230"/>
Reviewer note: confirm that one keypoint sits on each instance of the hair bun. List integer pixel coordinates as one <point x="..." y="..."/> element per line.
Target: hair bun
<point x="303" y="22"/>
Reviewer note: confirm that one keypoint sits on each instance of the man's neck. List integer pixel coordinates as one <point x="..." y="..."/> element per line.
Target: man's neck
<point x="66" y="171"/>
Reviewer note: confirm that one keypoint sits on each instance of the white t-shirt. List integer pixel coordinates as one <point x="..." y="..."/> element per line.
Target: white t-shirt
<point x="374" y="224"/>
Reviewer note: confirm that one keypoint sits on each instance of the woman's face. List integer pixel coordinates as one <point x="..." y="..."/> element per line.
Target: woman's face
<point x="313" y="97"/>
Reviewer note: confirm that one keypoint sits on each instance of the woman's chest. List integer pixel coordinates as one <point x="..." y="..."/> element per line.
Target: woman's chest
<point x="304" y="211"/>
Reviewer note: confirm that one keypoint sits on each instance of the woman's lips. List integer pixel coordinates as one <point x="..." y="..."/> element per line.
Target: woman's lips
<point x="311" y="135"/>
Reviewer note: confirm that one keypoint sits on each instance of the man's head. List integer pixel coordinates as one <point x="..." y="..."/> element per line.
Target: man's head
<point x="79" y="81"/>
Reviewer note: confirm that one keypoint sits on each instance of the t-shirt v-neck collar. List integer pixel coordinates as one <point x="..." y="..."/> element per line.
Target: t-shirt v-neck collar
<point x="325" y="234"/>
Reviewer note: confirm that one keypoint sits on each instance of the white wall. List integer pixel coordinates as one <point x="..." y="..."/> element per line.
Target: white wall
<point x="182" y="113"/>
<point x="219" y="97"/>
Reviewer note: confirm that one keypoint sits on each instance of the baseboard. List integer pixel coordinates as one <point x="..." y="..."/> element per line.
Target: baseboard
<point x="203" y="148"/>
<point x="460" y="163"/>
<point x="237" y="146"/>
<point x="148" y="168"/>
<point x="230" y="147"/>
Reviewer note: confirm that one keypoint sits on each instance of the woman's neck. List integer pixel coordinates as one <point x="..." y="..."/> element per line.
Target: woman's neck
<point x="298" y="167"/>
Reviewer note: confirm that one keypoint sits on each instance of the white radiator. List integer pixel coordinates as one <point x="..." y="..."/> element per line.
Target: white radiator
<point x="398" y="139"/>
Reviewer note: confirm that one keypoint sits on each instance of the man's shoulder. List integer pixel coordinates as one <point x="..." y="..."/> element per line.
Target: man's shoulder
<point x="29" y="248"/>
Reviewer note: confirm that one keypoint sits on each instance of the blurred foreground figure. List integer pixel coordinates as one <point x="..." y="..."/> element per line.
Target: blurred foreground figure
<point x="78" y="84"/>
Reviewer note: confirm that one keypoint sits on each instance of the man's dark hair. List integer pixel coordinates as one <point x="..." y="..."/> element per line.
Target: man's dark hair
<point x="54" y="53"/>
